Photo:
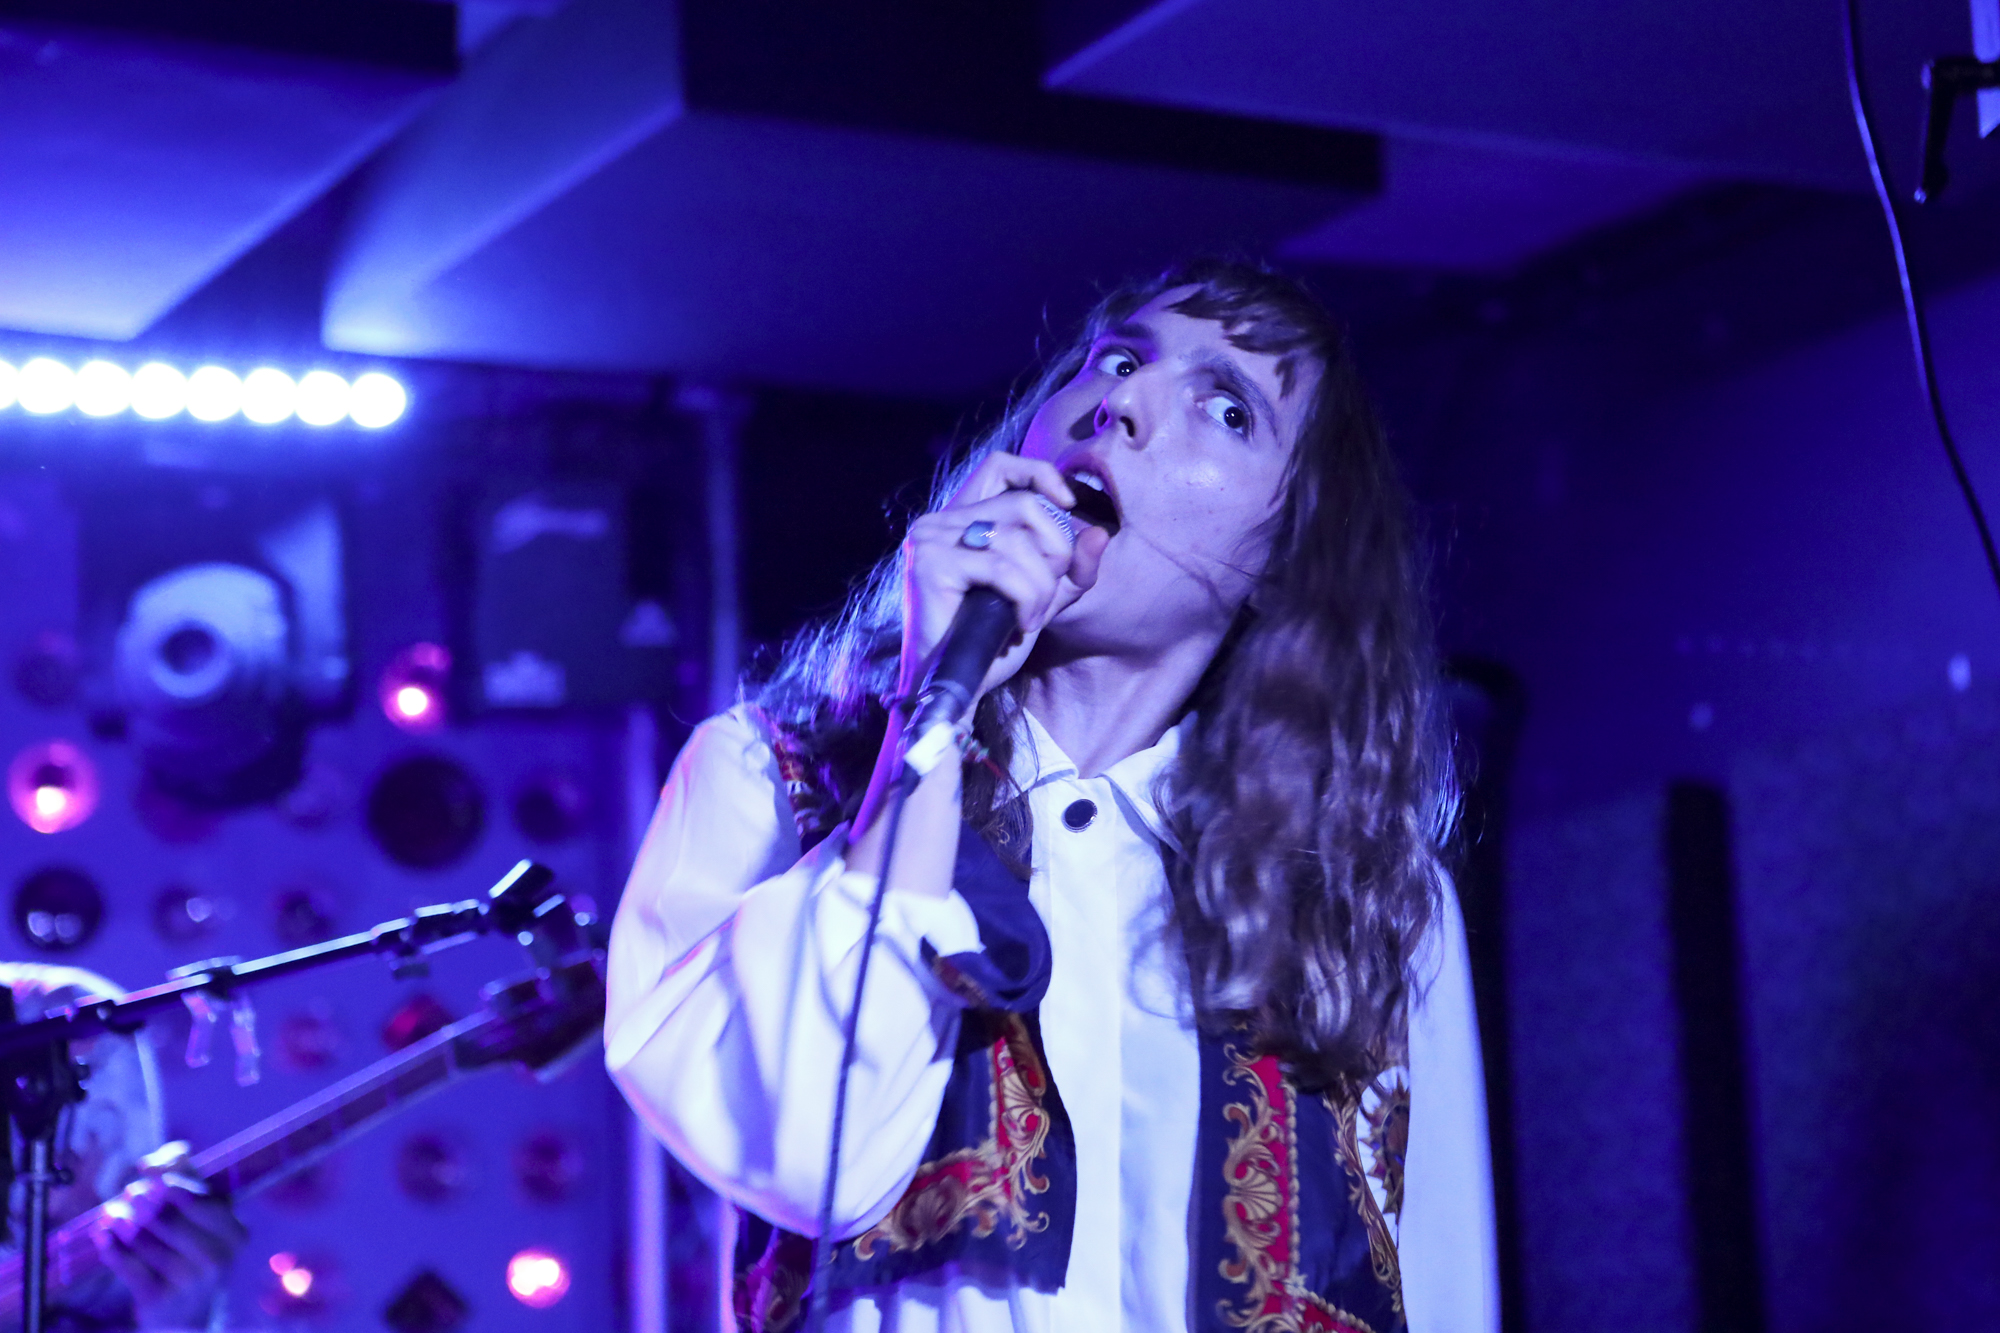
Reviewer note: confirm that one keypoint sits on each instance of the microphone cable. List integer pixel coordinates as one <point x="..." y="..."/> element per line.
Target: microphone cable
<point x="823" y="1242"/>
<point x="978" y="634"/>
<point x="1913" y="306"/>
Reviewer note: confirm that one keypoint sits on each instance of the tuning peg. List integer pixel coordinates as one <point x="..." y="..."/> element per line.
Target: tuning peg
<point x="243" y="1035"/>
<point x="201" y="1028"/>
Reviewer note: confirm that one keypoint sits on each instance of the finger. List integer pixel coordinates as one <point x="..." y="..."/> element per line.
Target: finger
<point x="174" y="1269"/>
<point x="215" y="1214"/>
<point x="944" y="563"/>
<point x="202" y="1230"/>
<point x="167" y="1158"/>
<point x="949" y="565"/>
<point x="128" y="1266"/>
<point x="1027" y="583"/>
<point x="1011" y="512"/>
<point x="1001" y="472"/>
<point x="1054" y="539"/>
<point x="181" y="1213"/>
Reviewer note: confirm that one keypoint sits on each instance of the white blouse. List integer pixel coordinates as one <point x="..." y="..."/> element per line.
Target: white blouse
<point x="732" y="966"/>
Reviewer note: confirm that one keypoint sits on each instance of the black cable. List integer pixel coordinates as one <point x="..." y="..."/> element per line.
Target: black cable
<point x="823" y="1239"/>
<point x="1913" y="306"/>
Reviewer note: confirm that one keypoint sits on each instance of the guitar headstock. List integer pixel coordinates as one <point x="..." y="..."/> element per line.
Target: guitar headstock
<point x="543" y="1020"/>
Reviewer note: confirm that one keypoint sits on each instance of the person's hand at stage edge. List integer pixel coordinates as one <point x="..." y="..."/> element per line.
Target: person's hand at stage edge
<point x="171" y="1241"/>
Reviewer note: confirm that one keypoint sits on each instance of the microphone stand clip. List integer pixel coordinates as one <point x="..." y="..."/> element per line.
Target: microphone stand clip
<point x="39" y="1078"/>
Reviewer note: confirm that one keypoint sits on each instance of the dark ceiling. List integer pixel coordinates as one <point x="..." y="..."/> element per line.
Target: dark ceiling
<point x="893" y="198"/>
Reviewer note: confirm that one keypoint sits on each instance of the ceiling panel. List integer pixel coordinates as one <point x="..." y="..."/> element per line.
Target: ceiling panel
<point x="1754" y="90"/>
<point x="1512" y="127"/>
<point x="814" y="256"/>
<point x="1459" y="208"/>
<point x="611" y="188"/>
<point x="135" y="167"/>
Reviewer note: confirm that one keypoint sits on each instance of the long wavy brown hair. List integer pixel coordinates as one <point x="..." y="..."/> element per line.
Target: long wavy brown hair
<point x="1313" y="792"/>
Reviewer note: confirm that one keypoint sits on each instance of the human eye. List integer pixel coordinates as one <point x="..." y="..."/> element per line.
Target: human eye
<point x="1114" y="361"/>
<point x="1228" y="413"/>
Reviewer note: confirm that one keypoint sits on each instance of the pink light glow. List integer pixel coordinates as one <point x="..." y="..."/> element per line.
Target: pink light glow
<point x="537" y="1278"/>
<point x="293" y="1276"/>
<point x="52" y="786"/>
<point x="412" y="688"/>
<point x="303" y="1288"/>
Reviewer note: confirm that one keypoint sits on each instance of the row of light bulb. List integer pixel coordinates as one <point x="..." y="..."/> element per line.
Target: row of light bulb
<point x="156" y="391"/>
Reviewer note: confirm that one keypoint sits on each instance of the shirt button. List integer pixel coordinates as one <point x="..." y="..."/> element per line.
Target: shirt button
<point x="1077" y="818"/>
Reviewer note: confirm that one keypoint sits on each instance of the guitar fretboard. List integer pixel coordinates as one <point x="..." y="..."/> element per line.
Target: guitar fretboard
<point x="267" y="1152"/>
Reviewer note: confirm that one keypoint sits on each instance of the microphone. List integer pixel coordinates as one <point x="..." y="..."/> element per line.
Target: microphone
<point x="986" y="620"/>
<point x="979" y="633"/>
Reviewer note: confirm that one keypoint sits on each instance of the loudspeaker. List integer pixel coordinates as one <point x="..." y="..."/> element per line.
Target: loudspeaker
<point x="557" y="620"/>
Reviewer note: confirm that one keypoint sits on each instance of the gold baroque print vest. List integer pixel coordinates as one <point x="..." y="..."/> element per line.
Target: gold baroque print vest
<point x="1287" y="1233"/>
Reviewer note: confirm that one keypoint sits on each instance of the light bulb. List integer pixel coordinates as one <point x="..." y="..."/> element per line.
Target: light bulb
<point x="158" y="391"/>
<point x="322" y="399"/>
<point x="46" y="386"/>
<point x="102" y="389"/>
<point x="377" y="400"/>
<point x="268" y="396"/>
<point x="214" y="394"/>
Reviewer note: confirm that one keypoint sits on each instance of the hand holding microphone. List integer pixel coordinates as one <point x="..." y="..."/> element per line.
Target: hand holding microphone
<point x="984" y="575"/>
<point x="981" y="577"/>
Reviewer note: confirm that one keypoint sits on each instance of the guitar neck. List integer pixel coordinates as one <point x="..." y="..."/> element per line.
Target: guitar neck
<point x="267" y="1152"/>
<point x="290" y="1141"/>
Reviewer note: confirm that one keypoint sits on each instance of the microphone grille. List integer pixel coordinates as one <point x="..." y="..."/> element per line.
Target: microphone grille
<point x="1060" y="515"/>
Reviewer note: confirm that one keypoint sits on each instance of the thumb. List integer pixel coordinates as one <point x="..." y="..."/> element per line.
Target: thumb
<point x="167" y="1157"/>
<point x="1086" y="555"/>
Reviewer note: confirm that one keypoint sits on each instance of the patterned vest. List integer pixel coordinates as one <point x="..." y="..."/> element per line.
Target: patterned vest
<point x="1287" y="1232"/>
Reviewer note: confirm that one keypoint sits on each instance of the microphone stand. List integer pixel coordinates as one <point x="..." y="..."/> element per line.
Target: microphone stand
<point x="39" y="1078"/>
<point x="1946" y="79"/>
<point x="36" y="1086"/>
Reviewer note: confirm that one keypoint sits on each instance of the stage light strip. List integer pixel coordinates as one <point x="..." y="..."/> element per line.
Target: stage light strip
<point x="46" y="387"/>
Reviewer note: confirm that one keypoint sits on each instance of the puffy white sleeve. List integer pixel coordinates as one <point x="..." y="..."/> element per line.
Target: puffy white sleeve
<point x="1446" y="1243"/>
<point x="732" y="967"/>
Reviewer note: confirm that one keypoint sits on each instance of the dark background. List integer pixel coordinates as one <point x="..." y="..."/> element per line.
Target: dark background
<point x="1725" y="650"/>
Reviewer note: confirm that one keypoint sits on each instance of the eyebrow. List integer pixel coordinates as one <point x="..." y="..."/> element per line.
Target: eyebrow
<point x="1232" y="377"/>
<point x="1131" y="328"/>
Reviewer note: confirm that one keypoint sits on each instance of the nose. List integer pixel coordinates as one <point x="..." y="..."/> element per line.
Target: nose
<point x="1118" y="411"/>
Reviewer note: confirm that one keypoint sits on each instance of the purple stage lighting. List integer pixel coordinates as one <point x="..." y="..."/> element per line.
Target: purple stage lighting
<point x="412" y="688"/>
<point x="537" y="1278"/>
<point x="52" y="786"/>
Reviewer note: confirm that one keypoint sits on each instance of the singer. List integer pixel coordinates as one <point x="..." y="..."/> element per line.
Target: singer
<point x="1168" y="1023"/>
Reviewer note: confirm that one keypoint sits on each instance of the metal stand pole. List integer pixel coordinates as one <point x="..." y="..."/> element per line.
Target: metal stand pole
<point x="39" y="1176"/>
<point x="36" y="1085"/>
<point x="646" y="1159"/>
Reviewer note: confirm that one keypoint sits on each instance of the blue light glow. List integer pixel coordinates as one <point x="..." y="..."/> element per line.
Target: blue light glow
<point x="102" y="389"/>
<point x="156" y="391"/>
<point x="46" y="387"/>
<point x="377" y="401"/>
<point x="269" y="396"/>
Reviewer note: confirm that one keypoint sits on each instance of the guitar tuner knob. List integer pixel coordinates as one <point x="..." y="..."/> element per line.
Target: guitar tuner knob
<point x="201" y="1027"/>
<point x="243" y="1036"/>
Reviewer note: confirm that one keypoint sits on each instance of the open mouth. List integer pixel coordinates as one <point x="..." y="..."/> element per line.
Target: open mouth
<point x="1094" y="502"/>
